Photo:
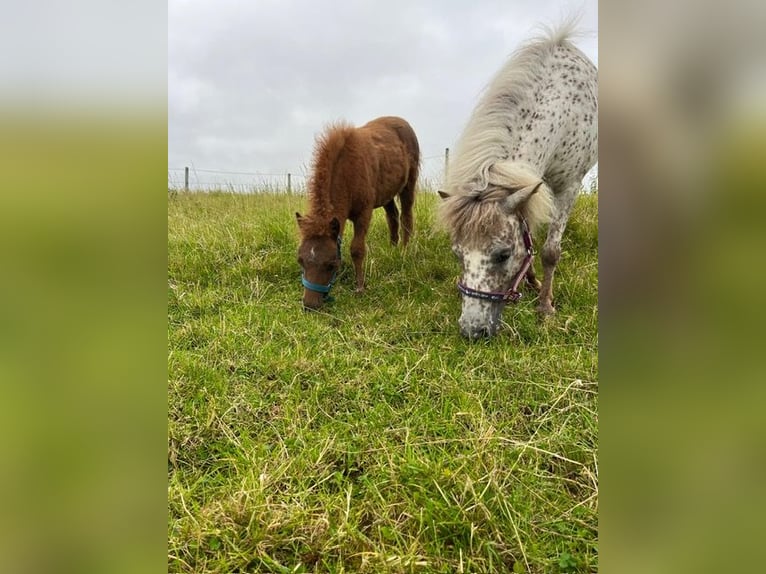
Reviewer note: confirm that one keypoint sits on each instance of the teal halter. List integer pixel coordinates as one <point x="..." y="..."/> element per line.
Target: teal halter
<point x="324" y="289"/>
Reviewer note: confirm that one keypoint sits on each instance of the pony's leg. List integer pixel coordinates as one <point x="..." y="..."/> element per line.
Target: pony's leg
<point x="359" y="249"/>
<point x="532" y="280"/>
<point x="552" y="249"/>
<point x="392" y="216"/>
<point x="407" y="199"/>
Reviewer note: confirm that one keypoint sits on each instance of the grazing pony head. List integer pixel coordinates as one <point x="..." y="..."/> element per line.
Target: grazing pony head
<point x="491" y="237"/>
<point x="319" y="258"/>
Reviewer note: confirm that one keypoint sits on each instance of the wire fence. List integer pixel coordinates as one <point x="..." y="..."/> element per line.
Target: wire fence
<point x="293" y="181"/>
<point x="433" y="169"/>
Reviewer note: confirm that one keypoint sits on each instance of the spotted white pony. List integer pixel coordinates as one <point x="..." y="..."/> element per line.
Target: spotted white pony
<point x="518" y="164"/>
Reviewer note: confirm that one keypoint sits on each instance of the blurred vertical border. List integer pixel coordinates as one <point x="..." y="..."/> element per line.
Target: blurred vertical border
<point x="83" y="227"/>
<point x="681" y="282"/>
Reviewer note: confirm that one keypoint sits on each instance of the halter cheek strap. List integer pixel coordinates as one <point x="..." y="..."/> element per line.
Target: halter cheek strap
<point x="512" y="294"/>
<point x="324" y="289"/>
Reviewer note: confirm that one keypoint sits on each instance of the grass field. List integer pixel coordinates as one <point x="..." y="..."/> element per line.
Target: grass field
<point x="370" y="437"/>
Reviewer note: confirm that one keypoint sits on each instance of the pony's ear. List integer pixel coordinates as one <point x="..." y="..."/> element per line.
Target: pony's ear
<point x="520" y="197"/>
<point x="443" y="194"/>
<point x="298" y="218"/>
<point x="335" y="226"/>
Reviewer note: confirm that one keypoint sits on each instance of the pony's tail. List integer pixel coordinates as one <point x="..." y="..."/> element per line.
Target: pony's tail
<point x="538" y="209"/>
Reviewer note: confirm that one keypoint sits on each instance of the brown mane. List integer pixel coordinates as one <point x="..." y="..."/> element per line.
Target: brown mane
<point x="328" y="149"/>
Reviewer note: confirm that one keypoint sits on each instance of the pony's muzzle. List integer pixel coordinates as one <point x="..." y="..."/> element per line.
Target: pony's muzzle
<point x="475" y="333"/>
<point x="312" y="300"/>
<point x="479" y="319"/>
<point x="473" y="329"/>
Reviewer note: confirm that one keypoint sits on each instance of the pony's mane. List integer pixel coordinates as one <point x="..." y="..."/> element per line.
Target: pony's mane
<point x="475" y="214"/>
<point x="327" y="151"/>
<point x="481" y="175"/>
<point x="485" y="138"/>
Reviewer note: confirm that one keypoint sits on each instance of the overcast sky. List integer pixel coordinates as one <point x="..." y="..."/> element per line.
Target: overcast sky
<point x="250" y="84"/>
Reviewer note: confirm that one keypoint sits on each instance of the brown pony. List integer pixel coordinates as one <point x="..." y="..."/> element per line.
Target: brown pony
<point x="354" y="171"/>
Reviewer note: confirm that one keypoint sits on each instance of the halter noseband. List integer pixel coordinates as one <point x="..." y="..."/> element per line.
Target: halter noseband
<point x="324" y="289"/>
<point x="513" y="294"/>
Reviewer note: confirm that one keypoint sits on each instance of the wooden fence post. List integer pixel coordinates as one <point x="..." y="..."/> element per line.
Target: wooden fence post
<point x="289" y="184"/>
<point x="186" y="179"/>
<point x="446" y="166"/>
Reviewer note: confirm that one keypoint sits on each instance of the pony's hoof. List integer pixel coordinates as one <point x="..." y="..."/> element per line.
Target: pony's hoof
<point x="546" y="311"/>
<point x="359" y="290"/>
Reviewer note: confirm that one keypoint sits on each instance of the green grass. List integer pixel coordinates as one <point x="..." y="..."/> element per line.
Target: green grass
<point x="370" y="437"/>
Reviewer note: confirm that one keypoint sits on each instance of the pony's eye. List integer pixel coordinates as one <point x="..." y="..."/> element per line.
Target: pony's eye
<point x="501" y="256"/>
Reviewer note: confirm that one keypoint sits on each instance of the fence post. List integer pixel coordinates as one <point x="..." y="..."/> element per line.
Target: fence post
<point x="289" y="184"/>
<point x="186" y="179"/>
<point x="446" y="165"/>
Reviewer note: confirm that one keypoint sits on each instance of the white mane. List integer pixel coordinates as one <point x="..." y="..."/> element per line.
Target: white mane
<point x="481" y="153"/>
